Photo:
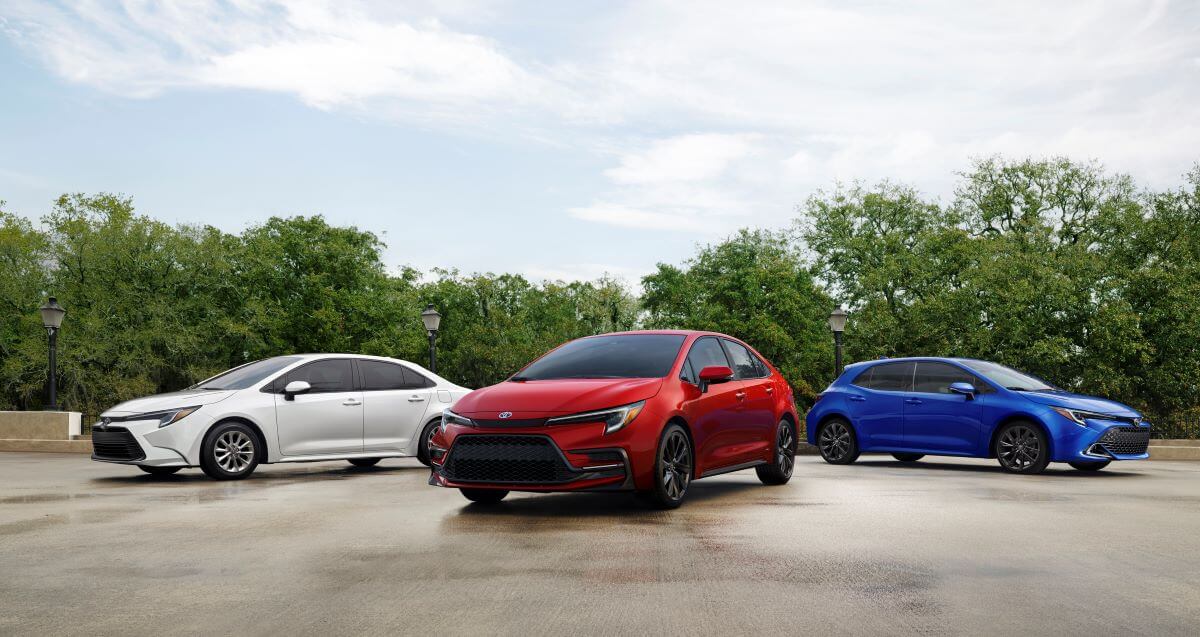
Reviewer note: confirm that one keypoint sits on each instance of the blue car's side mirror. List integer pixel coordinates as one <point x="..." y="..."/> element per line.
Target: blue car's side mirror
<point x="966" y="389"/>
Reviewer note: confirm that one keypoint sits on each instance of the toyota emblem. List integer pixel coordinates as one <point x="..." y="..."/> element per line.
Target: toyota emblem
<point x="505" y="415"/>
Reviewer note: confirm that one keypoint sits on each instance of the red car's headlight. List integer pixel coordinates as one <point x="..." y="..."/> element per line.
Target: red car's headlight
<point x="614" y="419"/>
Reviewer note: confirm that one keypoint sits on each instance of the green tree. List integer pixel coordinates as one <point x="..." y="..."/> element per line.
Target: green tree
<point x="23" y="281"/>
<point x="754" y="287"/>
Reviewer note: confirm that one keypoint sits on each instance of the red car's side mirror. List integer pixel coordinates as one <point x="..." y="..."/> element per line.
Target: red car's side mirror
<point x="714" y="374"/>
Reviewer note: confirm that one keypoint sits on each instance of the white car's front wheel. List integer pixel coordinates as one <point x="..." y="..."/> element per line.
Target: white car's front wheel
<point x="230" y="452"/>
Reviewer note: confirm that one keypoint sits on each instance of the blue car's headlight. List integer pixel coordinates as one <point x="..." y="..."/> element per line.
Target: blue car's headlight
<point x="1079" y="416"/>
<point x="614" y="419"/>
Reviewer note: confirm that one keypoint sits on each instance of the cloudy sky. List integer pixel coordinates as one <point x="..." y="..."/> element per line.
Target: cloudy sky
<point x="570" y="139"/>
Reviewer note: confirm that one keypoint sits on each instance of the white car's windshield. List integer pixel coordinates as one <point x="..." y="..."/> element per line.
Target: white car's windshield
<point x="1008" y="377"/>
<point x="246" y="375"/>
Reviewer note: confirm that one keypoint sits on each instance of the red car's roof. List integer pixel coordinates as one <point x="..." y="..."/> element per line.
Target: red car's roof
<point x="667" y="332"/>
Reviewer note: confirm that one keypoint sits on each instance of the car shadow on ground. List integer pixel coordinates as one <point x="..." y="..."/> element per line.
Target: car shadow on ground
<point x="1055" y="470"/>
<point x="293" y="473"/>
<point x="621" y="504"/>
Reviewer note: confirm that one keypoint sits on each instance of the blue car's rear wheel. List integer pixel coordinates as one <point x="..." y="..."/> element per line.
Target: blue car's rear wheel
<point x="1021" y="447"/>
<point x="837" y="442"/>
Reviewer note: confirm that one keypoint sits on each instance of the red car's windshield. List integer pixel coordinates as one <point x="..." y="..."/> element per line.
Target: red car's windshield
<point x="616" y="356"/>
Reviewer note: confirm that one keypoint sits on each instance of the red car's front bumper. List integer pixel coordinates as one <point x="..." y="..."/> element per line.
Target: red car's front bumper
<point x="539" y="458"/>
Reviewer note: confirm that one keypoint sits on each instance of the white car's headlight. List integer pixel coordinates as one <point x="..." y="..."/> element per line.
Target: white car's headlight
<point x="1079" y="416"/>
<point x="165" y="417"/>
<point x="614" y="419"/>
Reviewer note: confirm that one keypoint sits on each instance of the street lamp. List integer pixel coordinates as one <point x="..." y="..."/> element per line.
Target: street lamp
<point x="52" y="317"/>
<point x="432" y="320"/>
<point x="837" y="323"/>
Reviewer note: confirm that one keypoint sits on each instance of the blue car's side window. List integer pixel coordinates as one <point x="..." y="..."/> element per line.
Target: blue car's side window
<point x="936" y="378"/>
<point x="887" y="377"/>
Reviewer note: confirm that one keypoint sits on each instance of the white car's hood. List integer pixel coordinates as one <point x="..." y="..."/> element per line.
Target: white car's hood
<point x="173" y="400"/>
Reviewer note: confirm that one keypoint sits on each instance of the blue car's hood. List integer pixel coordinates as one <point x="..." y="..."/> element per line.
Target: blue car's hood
<point x="1079" y="401"/>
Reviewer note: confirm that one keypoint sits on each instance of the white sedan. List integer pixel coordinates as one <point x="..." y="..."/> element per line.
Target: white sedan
<point x="299" y="408"/>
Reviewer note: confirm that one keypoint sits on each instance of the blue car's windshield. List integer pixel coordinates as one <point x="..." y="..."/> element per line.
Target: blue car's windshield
<point x="1008" y="377"/>
<point x="246" y="375"/>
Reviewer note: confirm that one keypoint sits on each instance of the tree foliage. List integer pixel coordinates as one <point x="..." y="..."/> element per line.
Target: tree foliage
<point x="754" y="287"/>
<point x="1057" y="267"/>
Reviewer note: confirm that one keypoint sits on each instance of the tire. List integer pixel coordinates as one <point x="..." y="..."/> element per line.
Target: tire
<point x="837" y="442"/>
<point x="673" y="469"/>
<point x="784" y="460"/>
<point x="423" y="441"/>
<point x="484" y="496"/>
<point x="908" y="457"/>
<point x="1090" y="466"/>
<point x="159" y="471"/>
<point x="1021" y="447"/>
<point x="230" y="452"/>
<point x="363" y="463"/>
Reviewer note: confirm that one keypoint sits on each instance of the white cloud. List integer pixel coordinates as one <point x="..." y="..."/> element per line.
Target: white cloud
<point x="682" y="158"/>
<point x="325" y="53"/>
<point x="625" y="217"/>
<point x="715" y="114"/>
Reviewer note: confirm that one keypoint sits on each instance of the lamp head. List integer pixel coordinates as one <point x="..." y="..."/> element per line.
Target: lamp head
<point x="431" y="318"/>
<point x="52" y="314"/>
<point x="837" y="320"/>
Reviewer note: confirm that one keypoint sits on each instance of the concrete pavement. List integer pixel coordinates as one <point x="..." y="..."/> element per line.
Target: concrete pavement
<point x="941" y="547"/>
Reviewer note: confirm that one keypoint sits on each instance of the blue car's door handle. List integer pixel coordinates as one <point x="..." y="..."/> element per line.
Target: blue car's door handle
<point x="912" y="401"/>
<point x="857" y="397"/>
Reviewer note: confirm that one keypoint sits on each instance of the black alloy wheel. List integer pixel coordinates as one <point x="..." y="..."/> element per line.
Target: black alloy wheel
<point x="1021" y="448"/>
<point x="837" y="442"/>
<point x="780" y="470"/>
<point x="672" y="469"/>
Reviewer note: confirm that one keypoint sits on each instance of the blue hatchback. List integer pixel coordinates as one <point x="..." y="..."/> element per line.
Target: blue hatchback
<point x="912" y="407"/>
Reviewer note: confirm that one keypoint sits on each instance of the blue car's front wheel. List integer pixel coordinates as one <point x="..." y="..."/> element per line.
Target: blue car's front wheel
<point x="1021" y="447"/>
<point x="837" y="442"/>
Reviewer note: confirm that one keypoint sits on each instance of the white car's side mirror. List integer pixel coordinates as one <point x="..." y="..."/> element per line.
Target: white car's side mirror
<point x="296" y="387"/>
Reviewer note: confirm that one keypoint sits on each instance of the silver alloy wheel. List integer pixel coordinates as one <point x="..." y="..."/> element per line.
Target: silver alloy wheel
<point x="785" y="450"/>
<point x="429" y="438"/>
<point x="676" y="465"/>
<point x="234" y="451"/>
<point x="1019" y="447"/>
<point x="835" y="440"/>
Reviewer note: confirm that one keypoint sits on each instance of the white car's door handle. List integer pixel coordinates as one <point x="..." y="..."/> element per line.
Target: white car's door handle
<point x="415" y="398"/>
<point x="350" y="402"/>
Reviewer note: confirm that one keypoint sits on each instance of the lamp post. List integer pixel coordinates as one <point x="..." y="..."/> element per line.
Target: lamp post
<point x="837" y="323"/>
<point x="432" y="320"/>
<point x="52" y="317"/>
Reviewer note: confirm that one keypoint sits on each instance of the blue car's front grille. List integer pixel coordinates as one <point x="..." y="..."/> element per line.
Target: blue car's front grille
<point x="1126" y="440"/>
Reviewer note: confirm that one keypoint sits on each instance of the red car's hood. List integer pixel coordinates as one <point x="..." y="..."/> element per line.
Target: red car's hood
<point x="549" y="398"/>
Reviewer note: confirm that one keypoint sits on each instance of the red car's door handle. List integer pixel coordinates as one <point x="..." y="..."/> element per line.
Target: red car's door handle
<point x="770" y="390"/>
<point x="741" y="395"/>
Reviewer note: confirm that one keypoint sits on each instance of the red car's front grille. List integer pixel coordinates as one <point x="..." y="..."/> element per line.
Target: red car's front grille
<point x="505" y="460"/>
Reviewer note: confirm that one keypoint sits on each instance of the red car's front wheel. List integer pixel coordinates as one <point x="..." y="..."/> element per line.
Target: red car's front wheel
<point x="672" y="469"/>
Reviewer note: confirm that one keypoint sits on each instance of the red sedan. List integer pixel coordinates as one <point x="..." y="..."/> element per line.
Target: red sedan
<point x="631" y="411"/>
